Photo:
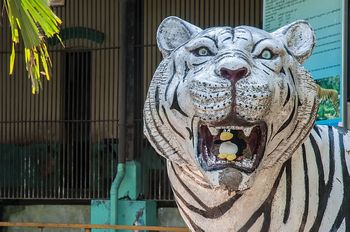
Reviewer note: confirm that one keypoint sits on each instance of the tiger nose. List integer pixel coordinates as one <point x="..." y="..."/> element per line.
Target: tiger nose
<point x="233" y="74"/>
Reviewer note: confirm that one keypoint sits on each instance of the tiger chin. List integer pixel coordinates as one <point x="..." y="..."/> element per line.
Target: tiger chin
<point x="233" y="111"/>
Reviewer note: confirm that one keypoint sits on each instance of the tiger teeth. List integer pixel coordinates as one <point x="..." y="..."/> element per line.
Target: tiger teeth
<point x="231" y="128"/>
<point x="214" y="131"/>
<point x="247" y="131"/>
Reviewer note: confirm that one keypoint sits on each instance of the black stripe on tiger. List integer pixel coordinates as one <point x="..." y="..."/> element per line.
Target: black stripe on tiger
<point x="226" y="54"/>
<point x="237" y="54"/>
<point x="287" y="50"/>
<point x="197" y="71"/>
<point x="186" y="72"/>
<point x="276" y="147"/>
<point x="324" y="190"/>
<point x="171" y="125"/>
<point x="157" y="146"/>
<point x="169" y="82"/>
<point x="258" y="43"/>
<point x="244" y="58"/>
<point x="223" y="56"/>
<point x="291" y="74"/>
<point x="208" y="212"/>
<point x="282" y="71"/>
<point x="265" y="208"/>
<point x="155" y="142"/>
<point x="186" y="170"/>
<point x="156" y="100"/>
<point x="194" y="225"/>
<point x="192" y="130"/>
<point x="198" y="64"/>
<point x="271" y="133"/>
<point x="287" y="122"/>
<point x="175" y="104"/>
<point x="288" y="190"/>
<point x="239" y="37"/>
<point x="317" y="131"/>
<point x="227" y="38"/>
<point x="346" y="183"/>
<point x="306" y="187"/>
<point x="331" y="155"/>
<point x="294" y="129"/>
<point x="215" y="42"/>
<point x="338" y="220"/>
<point x="268" y="67"/>
<point x="288" y="96"/>
<point x="343" y="213"/>
<point x="190" y="133"/>
<point x="296" y="125"/>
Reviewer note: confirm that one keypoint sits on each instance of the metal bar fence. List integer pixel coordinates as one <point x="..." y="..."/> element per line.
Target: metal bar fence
<point x="62" y="144"/>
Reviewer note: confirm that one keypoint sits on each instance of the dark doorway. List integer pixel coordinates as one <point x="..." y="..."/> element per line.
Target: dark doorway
<point x="77" y="116"/>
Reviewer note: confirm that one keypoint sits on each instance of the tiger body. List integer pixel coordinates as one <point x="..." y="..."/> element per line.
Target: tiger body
<point x="310" y="192"/>
<point x="233" y="111"/>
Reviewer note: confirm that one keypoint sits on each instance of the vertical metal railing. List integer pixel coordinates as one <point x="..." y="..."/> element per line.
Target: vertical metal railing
<point x="62" y="144"/>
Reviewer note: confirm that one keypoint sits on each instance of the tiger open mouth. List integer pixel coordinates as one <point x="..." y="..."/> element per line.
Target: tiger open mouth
<point x="234" y="146"/>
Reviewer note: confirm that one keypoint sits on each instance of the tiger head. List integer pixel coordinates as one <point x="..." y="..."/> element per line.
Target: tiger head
<point x="230" y="102"/>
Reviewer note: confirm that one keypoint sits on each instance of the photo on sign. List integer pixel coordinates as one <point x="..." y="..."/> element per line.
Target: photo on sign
<point x="329" y="104"/>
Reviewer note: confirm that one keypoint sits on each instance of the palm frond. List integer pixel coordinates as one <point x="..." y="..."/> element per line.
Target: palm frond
<point x="33" y="20"/>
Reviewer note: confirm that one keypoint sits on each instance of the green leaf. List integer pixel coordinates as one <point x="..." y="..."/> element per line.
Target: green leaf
<point x="34" y="20"/>
<point x="12" y="58"/>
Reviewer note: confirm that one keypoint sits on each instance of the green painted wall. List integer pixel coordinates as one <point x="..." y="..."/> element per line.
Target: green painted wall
<point x="46" y="214"/>
<point x="170" y="216"/>
<point x="130" y="186"/>
<point x="129" y="213"/>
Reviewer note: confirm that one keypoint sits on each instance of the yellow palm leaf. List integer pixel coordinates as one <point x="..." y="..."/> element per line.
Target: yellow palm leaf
<point x="34" y="20"/>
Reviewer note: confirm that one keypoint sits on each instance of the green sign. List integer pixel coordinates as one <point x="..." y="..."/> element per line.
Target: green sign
<point x="325" y="64"/>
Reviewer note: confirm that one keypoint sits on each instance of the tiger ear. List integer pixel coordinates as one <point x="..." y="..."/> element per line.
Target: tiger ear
<point x="299" y="38"/>
<point x="173" y="32"/>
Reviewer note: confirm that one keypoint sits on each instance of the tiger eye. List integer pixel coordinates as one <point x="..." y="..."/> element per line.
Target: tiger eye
<point x="266" y="54"/>
<point x="203" y="52"/>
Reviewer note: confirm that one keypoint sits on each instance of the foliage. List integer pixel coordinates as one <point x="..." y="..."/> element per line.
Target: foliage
<point x="34" y="20"/>
<point x="326" y="109"/>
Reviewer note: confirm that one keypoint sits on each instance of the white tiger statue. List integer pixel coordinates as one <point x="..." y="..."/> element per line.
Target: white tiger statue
<point x="233" y="111"/>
